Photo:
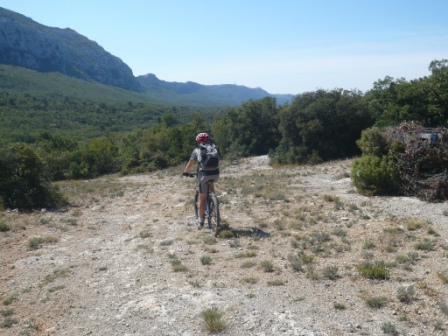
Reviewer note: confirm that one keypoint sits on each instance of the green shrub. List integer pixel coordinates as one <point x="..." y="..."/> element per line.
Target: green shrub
<point x="389" y="329"/>
<point x="331" y="272"/>
<point x="339" y="306"/>
<point x="267" y="265"/>
<point x="373" y="142"/>
<point x="405" y="294"/>
<point x="10" y="299"/>
<point x="375" y="176"/>
<point x="24" y="181"/>
<point x="8" y="322"/>
<point x="212" y="319"/>
<point x="376" y="302"/>
<point x="4" y="227"/>
<point x="296" y="263"/>
<point x="374" y="270"/>
<point x="206" y="260"/>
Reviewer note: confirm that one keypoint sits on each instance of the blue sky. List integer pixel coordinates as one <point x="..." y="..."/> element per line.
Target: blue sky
<point x="283" y="46"/>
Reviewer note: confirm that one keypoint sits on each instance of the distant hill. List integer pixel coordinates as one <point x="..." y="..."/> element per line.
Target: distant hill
<point x="191" y="93"/>
<point x="28" y="44"/>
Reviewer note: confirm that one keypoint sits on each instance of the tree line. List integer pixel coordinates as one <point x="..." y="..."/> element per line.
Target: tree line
<point x="316" y="126"/>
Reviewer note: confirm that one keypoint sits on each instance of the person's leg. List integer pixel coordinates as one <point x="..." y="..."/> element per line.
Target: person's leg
<point x="202" y="197"/>
<point x="215" y="178"/>
<point x="202" y="203"/>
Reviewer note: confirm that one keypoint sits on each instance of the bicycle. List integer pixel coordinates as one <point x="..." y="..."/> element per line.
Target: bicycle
<point x="211" y="207"/>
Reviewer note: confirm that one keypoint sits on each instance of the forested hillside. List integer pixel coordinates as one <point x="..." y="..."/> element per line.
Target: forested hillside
<point x="72" y="139"/>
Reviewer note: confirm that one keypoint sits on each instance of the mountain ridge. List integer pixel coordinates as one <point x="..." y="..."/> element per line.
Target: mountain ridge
<point x="29" y="44"/>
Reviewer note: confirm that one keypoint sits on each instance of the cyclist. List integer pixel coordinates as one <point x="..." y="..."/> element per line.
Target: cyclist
<point x="205" y="172"/>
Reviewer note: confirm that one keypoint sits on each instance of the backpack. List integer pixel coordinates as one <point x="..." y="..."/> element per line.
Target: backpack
<point x="208" y="156"/>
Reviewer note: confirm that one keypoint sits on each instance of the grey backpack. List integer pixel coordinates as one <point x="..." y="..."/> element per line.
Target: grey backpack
<point x="209" y="155"/>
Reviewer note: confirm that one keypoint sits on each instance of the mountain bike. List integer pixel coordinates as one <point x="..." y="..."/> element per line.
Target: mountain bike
<point x="211" y="207"/>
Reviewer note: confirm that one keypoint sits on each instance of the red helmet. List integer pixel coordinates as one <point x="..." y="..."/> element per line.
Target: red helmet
<point x="202" y="137"/>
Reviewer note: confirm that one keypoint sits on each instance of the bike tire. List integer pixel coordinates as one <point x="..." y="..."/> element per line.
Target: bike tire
<point x="213" y="215"/>
<point x="196" y="204"/>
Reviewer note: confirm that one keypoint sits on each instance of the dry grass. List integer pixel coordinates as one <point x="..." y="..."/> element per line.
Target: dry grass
<point x="280" y="231"/>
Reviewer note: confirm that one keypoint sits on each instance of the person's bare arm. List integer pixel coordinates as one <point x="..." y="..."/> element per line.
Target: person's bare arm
<point x="188" y="166"/>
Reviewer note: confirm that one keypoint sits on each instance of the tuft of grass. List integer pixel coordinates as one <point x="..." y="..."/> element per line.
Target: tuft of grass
<point x="405" y="294"/>
<point x="235" y="242"/>
<point x="36" y="242"/>
<point x="369" y="244"/>
<point x="338" y="306"/>
<point x="195" y="283"/>
<point x="4" y="227"/>
<point x="331" y="198"/>
<point x="267" y="265"/>
<point x="167" y="242"/>
<point x="443" y="277"/>
<point x="414" y="224"/>
<point x="145" y="234"/>
<point x="248" y="264"/>
<point x="59" y="273"/>
<point x="213" y="319"/>
<point x="206" y="260"/>
<point x="425" y="245"/>
<point x="295" y="262"/>
<point x="8" y="322"/>
<point x="247" y="254"/>
<point x="279" y="224"/>
<point x="147" y="248"/>
<point x="276" y="282"/>
<point x="331" y="272"/>
<point x="306" y="258"/>
<point x="249" y="280"/>
<point x="376" y="302"/>
<point x="7" y="312"/>
<point x="56" y="288"/>
<point x="433" y="232"/>
<point x="178" y="266"/>
<point x="10" y="299"/>
<point x="311" y="272"/>
<point x="209" y="240"/>
<point x="374" y="270"/>
<point x="389" y="329"/>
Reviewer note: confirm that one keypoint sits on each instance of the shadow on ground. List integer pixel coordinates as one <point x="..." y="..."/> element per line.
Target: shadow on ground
<point x="252" y="233"/>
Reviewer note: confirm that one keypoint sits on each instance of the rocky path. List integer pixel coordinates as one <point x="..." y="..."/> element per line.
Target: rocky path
<point x="112" y="270"/>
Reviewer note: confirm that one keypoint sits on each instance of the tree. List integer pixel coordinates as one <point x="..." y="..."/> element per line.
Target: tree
<point x="253" y="127"/>
<point x="23" y="180"/>
<point x="322" y="125"/>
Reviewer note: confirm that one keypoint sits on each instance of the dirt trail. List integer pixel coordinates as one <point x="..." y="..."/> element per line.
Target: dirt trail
<point x="111" y="271"/>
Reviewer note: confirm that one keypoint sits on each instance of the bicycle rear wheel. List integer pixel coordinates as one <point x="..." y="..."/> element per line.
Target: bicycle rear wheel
<point x="213" y="214"/>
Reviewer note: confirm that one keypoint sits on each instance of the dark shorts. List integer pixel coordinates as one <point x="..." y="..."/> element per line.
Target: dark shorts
<point x="205" y="176"/>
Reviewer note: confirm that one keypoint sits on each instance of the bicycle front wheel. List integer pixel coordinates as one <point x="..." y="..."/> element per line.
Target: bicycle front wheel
<point x="196" y="204"/>
<point x="213" y="215"/>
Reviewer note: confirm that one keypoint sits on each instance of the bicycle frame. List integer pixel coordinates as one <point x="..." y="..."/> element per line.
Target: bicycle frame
<point x="211" y="207"/>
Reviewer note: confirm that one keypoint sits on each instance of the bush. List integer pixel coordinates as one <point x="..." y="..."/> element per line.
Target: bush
<point x="4" y="227"/>
<point x="376" y="270"/>
<point x="24" y="182"/>
<point x="213" y="319"/>
<point x="375" y="176"/>
<point x="373" y="142"/>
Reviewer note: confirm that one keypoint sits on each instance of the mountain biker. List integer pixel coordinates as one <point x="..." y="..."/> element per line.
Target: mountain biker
<point x="205" y="173"/>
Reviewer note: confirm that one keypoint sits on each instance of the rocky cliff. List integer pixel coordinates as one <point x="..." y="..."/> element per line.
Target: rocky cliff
<point x="26" y="43"/>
